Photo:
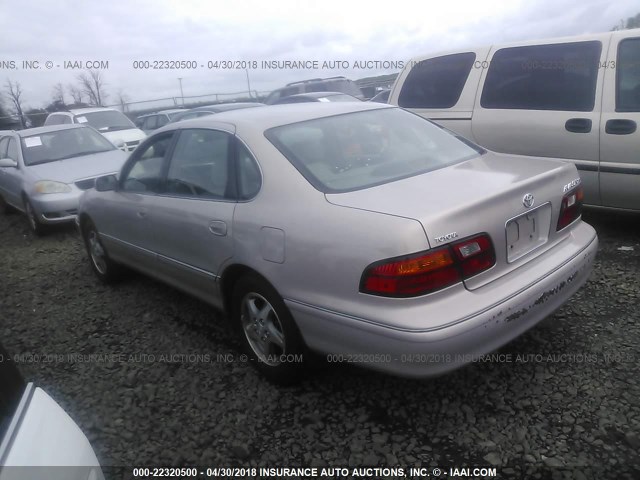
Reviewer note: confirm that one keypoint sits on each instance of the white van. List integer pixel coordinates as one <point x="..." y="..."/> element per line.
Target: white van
<point x="111" y="123"/>
<point x="571" y="98"/>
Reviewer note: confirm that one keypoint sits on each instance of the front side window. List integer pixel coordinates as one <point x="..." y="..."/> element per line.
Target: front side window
<point x="436" y="82"/>
<point x="4" y="143"/>
<point x="628" y="76"/>
<point x="63" y="144"/>
<point x="363" y="149"/>
<point x="543" y="77"/>
<point x="12" y="150"/>
<point x="200" y="165"/>
<point x="144" y="174"/>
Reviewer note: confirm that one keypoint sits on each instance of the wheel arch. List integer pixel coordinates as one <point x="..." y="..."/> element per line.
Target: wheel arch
<point x="230" y="277"/>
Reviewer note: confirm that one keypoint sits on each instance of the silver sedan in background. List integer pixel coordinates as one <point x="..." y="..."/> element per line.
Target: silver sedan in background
<point x="358" y="230"/>
<point x="44" y="170"/>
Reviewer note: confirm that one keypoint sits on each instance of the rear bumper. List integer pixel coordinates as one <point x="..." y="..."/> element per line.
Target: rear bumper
<point x="423" y="352"/>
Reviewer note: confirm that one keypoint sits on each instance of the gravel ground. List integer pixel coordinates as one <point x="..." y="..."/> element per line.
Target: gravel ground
<point x="539" y="415"/>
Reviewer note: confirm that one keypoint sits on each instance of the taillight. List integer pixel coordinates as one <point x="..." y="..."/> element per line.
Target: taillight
<point x="429" y="271"/>
<point x="475" y="255"/>
<point x="571" y="207"/>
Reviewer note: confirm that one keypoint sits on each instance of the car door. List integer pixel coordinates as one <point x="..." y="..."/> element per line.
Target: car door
<point x="619" y="132"/>
<point x="13" y="176"/>
<point x="543" y="99"/>
<point x="194" y="214"/>
<point x="124" y="216"/>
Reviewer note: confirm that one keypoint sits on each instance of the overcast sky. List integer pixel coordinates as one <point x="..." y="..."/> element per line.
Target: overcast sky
<point x="121" y="32"/>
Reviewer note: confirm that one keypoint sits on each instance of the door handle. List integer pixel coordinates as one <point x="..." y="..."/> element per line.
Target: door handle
<point x="578" y="125"/>
<point x="142" y="214"/>
<point x="620" y="126"/>
<point x="218" y="227"/>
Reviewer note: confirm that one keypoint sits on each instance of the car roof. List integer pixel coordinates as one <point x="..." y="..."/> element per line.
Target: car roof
<point x="221" y="107"/>
<point x="168" y="110"/>
<point x="50" y="128"/>
<point x="77" y="111"/>
<point x="319" y="95"/>
<point x="276" y="115"/>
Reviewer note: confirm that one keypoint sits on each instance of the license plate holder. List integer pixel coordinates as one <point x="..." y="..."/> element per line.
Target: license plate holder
<point x="527" y="232"/>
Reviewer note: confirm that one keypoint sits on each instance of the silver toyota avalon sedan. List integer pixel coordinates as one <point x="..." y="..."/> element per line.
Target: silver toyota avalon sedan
<point x="44" y="170"/>
<point x="358" y="230"/>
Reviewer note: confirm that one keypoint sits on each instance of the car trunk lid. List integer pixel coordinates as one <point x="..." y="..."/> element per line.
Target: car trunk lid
<point x="489" y="194"/>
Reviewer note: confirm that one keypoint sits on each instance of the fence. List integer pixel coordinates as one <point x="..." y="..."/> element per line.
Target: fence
<point x="140" y="107"/>
<point x="188" y="101"/>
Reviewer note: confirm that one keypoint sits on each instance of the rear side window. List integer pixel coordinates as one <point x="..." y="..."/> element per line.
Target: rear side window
<point x="543" y="77"/>
<point x="436" y="82"/>
<point x="628" y="76"/>
<point x="200" y="165"/>
<point x="249" y="179"/>
<point x="151" y="122"/>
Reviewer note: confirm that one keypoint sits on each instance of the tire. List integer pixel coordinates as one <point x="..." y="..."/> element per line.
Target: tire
<point x="105" y="269"/>
<point x="267" y="330"/>
<point x="35" y="225"/>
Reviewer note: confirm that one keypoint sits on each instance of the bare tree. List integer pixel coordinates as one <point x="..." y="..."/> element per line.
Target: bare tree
<point x="75" y="93"/>
<point x="58" y="93"/>
<point x="92" y="84"/>
<point x="14" y="92"/>
<point x="122" y="98"/>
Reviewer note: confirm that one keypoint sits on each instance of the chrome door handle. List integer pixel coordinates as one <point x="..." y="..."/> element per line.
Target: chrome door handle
<point x="218" y="227"/>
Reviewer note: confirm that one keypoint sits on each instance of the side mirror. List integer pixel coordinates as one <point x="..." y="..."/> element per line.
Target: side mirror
<point x="119" y="143"/>
<point x="8" y="162"/>
<point x="107" y="183"/>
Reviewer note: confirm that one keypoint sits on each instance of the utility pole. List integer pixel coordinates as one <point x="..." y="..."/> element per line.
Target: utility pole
<point x="181" y="92"/>
<point x="248" y="83"/>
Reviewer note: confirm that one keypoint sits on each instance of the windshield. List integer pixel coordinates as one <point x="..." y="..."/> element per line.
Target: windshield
<point x="359" y="150"/>
<point x="106" y="120"/>
<point x="62" y="144"/>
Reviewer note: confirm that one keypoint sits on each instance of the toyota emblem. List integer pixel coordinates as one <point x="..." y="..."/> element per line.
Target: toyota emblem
<point x="528" y="200"/>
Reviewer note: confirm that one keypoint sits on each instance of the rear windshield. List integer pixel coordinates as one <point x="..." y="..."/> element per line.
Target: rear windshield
<point x="63" y="144"/>
<point x="106" y="121"/>
<point x="363" y="149"/>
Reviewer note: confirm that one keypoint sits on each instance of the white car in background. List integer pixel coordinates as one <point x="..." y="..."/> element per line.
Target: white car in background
<point x="111" y="123"/>
<point x="36" y="432"/>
